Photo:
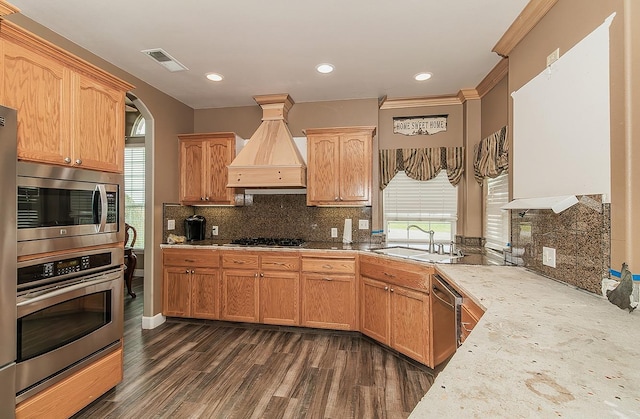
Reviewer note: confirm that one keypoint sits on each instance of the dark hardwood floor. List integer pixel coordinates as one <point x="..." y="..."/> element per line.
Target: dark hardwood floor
<point x="186" y="369"/>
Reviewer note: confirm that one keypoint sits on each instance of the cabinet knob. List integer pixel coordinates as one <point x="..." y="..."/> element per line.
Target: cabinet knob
<point x="202" y="198"/>
<point x="206" y="198"/>
<point x="391" y="290"/>
<point x="336" y="198"/>
<point x="386" y="288"/>
<point x="67" y="160"/>
<point x="255" y="275"/>
<point x="78" y="162"/>
<point x="341" y="198"/>
<point x="192" y="271"/>
<point x="187" y="271"/>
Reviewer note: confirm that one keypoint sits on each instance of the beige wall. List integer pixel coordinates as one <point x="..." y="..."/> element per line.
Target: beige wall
<point x="495" y="108"/>
<point x="565" y="25"/>
<point x="170" y="118"/>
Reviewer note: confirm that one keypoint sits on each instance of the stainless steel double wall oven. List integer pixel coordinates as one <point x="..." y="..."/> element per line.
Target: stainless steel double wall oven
<point x="69" y="274"/>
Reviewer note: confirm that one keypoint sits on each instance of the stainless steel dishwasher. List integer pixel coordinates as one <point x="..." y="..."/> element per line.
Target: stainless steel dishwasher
<point x="445" y="311"/>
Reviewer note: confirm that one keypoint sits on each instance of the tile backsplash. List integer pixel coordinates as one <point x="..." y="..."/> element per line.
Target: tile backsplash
<point x="273" y="216"/>
<point x="581" y="236"/>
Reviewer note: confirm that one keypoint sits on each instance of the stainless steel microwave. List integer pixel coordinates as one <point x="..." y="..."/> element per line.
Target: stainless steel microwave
<point x="63" y="208"/>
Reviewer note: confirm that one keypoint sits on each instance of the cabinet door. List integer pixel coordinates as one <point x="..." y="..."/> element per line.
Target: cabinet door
<point x="205" y="293"/>
<point x="191" y="171"/>
<point x="39" y="88"/>
<point x="328" y="301"/>
<point x="220" y="153"/>
<point x="322" y="174"/>
<point x="374" y="300"/>
<point x="355" y="169"/>
<point x="410" y="323"/>
<point x="176" y="292"/>
<point x="280" y="298"/>
<point x="240" y="293"/>
<point x="98" y="140"/>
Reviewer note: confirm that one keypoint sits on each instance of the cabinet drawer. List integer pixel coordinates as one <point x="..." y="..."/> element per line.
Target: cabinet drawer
<point x="209" y="258"/>
<point x="239" y="260"/>
<point x="410" y="276"/>
<point x="346" y="266"/>
<point x="279" y="263"/>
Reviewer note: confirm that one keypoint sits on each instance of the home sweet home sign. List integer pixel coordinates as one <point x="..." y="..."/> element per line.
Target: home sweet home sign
<point x="419" y="125"/>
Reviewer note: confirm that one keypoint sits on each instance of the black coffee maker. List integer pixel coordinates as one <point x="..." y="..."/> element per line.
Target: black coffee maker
<point x="195" y="227"/>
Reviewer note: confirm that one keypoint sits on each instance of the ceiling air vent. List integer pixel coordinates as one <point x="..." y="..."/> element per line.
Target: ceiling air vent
<point x="164" y="59"/>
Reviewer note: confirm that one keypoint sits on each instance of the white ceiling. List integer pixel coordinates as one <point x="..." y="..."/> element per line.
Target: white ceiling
<point x="273" y="46"/>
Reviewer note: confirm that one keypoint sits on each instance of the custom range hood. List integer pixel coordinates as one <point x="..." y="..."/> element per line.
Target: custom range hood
<point x="270" y="159"/>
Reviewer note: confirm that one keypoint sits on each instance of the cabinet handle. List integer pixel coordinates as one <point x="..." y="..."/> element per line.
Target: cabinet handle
<point x="187" y="271"/>
<point x="389" y="275"/>
<point x="202" y="198"/>
<point x="189" y="260"/>
<point x="327" y="266"/>
<point x="336" y="198"/>
<point x="78" y="162"/>
<point x="67" y="160"/>
<point x="261" y="275"/>
<point x="206" y="198"/>
<point x="391" y="290"/>
<point x="386" y="288"/>
<point x="255" y="275"/>
<point x="327" y="279"/>
<point x="192" y="271"/>
<point x="464" y="326"/>
<point x="239" y="262"/>
<point x="341" y="198"/>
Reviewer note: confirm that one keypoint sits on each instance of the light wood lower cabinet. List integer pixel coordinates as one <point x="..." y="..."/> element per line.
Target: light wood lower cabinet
<point x="329" y="292"/>
<point x="261" y="287"/>
<point x="394" y="306"/>
<point x="470" y="315"/>
<point x="69" y="396"/>
<point x="191" y="283"/>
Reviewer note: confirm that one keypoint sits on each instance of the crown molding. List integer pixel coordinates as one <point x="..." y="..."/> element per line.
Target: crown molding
<point x="468" y="94"/>
<point x="495" y="75"/>
<point x="7" y="9"/>
<point x="533" y="12"/>
<point x="419" y="102"/>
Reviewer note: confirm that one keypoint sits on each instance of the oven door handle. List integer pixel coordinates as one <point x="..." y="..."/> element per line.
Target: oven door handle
<point x="104" y="206"/>
<point x="30" y="303"/>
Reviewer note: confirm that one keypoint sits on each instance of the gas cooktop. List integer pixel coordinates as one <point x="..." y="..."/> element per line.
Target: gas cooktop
<point x="268" y="242"/>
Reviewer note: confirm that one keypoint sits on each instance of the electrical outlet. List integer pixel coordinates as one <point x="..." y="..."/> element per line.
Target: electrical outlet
<point x="549" y="256"/>
<point x="553" y="57"/>
<point x="171" y="224"/>
<point x="214" y="230"/>
<point x="363" y="224"/>
<point x="334" y="232"/>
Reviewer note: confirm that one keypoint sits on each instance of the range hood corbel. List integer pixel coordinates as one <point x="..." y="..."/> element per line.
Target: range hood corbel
<point x="270" y="159"/>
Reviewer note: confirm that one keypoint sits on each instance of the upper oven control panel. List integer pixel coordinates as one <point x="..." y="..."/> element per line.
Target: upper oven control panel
<point x="36" y="272"/>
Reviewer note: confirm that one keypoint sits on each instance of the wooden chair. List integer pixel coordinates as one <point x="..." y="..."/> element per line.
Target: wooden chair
<point x="130" y="258"/>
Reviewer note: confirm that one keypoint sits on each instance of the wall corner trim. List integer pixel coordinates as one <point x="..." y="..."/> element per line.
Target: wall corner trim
<point x="153" y="322"/>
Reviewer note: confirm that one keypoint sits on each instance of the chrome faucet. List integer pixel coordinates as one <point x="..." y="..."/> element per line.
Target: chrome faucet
<point x="432" y="248"/>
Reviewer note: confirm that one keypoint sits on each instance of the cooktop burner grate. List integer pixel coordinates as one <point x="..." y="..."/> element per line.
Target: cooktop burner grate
<point x="268" y="241"/>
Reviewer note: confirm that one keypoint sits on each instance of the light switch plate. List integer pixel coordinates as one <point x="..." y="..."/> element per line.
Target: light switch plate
<point x="214" y="230"/>
<point x="334" y="232"/>
<point x="171" y="224"/>
<point x="363" y="224"/>
<point x="549" y="256"/>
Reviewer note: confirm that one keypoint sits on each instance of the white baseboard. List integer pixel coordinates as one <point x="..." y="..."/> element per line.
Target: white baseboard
<point x="153" y="322"/>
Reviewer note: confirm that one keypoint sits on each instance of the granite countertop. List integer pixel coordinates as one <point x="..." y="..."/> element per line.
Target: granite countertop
<point x="542" y="349"/>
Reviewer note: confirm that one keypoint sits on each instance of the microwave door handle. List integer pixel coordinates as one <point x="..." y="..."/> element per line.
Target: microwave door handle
<point x="104" y="205"/>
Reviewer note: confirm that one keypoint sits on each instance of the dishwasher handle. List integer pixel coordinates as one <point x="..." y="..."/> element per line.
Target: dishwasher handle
<point x="437" y="291"/>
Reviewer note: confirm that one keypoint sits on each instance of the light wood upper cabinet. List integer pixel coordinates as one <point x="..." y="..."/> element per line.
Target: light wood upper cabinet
<point x="70" y="113"/>
<point x="339" y="166"/>
<point x="203" y="167"/>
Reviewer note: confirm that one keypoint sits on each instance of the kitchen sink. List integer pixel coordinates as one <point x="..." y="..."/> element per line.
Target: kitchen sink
<point x="415" y="254"/>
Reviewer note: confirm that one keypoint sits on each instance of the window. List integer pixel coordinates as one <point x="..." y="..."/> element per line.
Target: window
<point x="139" y="127"/>
<point x="496" y="221"/>
<point x="134" y="155"/>
<point x="431" y="205"/>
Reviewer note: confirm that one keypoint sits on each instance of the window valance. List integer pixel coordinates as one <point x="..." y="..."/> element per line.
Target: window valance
<point x="422" y="163"/>
<point x="491" y="156"/>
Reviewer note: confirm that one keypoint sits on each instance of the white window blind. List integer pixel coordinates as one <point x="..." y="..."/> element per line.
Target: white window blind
<point x="496" y="221"/>
<point x="134" y="168"/>
<point x="431" y="204"/>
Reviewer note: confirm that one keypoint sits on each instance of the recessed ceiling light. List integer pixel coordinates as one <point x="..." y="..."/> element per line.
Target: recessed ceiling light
<point x="324" y="68"/>
<point x="214" y="76"/>
<point x="422" y="76"/>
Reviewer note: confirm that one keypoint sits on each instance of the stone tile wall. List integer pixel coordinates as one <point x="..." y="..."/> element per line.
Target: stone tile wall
<point x="581" y="236"/>
<point x="274" y="216"/>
